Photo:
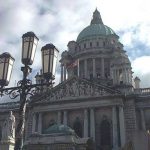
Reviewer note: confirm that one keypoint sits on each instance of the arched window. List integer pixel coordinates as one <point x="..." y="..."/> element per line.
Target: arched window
<point x="77" y="126"/>
<point x="105" y="133"/>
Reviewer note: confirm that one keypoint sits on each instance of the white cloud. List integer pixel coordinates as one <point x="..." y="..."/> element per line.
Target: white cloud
<point x="127" y="38"/>
<point x="60" y="21"/>
<point x="142" y="70"/>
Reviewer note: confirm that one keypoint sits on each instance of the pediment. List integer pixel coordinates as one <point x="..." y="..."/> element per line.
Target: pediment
<point x="77" y="88"/>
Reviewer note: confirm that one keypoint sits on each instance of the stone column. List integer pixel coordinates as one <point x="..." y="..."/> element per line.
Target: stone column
<point x="65" y="72"/>
<point x="65" y="118"/>
<point x="92" y="123"/>
<point x="102" y="67"/>
<point x="85" y="123"/>
<point x="111" y="73"/>
<point x="94" y="68"/>
<point x="117" y="76"/>
<point x="85" y="68"/>
<point x="40" y="123"/>
<point x="33" y="123"/>
<point x="130" y="76"/>
<point x="59" y="117"/>
<point x="124" y="76"/>
<point x="61" y="72"/>
<point x="122" y="127"/>
<point x="142" y="120"/>
<point x="114" y="76"/>
<point x="115" y="131"/>
<point x="126" y="72"/>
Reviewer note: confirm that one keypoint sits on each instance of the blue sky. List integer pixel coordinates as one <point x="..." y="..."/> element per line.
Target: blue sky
<point x="59" y="21"/>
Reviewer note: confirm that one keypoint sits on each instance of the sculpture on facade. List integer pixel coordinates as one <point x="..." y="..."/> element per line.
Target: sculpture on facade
<point x="8" y="129"/>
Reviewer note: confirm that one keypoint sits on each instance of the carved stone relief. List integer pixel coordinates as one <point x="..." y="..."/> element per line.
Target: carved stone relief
<point x="75" y="89"/>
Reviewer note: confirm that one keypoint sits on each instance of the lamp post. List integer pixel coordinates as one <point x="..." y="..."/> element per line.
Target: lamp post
<point x="25" y="87"/>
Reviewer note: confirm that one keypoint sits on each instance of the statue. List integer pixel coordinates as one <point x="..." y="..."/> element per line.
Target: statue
<point x="8" y="129"/>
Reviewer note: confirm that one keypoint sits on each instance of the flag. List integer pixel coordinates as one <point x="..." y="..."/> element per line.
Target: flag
<point x="73" y="64"/>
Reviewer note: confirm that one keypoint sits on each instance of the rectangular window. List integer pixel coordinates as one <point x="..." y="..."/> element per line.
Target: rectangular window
<point x="97" y="43"/>
<point x="90" y="44"/>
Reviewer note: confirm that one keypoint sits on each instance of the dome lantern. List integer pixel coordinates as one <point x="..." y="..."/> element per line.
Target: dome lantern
<point x="95" y="29"/>
<point x="96" y="18"/>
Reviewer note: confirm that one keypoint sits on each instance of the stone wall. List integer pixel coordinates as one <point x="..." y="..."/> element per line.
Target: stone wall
<point x="55" y="147"/>
<point x="130" y="118"/>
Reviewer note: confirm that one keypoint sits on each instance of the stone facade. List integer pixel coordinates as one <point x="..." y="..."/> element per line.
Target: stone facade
<point x="96" y="98"/>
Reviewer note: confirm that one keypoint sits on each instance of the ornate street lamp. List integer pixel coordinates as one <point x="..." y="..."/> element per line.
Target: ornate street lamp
<point x="29" y="44"/>
<point x="25" y="86"/>
<point x="49" y="59"/>
<point x="6" y="65"/>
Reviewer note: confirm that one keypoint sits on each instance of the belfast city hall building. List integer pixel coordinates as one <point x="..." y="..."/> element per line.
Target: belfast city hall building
<point x="97" y="106"/>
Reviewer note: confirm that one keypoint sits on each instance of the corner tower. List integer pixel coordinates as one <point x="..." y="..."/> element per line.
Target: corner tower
<point x="97" y="55"/>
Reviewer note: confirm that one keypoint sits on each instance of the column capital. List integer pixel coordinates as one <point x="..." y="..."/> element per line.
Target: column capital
<point x="92" y="108"/>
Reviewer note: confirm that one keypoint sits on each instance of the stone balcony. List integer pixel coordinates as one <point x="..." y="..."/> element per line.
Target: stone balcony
<point x="142" y="91"/>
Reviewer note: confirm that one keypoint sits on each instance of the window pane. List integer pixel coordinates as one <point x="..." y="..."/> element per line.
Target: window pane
<point x="35" y="41"/>
<point x="5" y="71"/>
<point x="1" y="70"/>
<point x="9" y="72"/>
<point x="52" y="51"/>
<point x="51" y="63"/>
<point x="33" y="52"/>
<point x="26" y="39"/>
<point x="25" y="50"/>
<point x="11" y="61"/>
<point x="46" y="58"/>
<point x="56" y="53"/>
<point x="54" y="65"/>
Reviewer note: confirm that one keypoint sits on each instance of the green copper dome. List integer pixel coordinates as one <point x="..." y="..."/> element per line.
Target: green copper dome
<point x="96" y="28"/>
<point x="59" y="129"/>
